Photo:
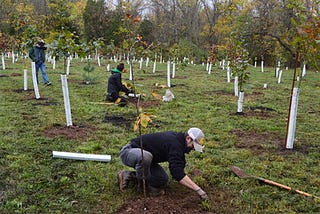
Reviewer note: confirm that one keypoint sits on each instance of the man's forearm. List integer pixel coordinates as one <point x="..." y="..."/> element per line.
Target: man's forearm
<point x="186" y="181"/>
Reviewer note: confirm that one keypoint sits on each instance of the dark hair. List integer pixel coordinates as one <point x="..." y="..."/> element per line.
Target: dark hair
<point x="120" y="67"/>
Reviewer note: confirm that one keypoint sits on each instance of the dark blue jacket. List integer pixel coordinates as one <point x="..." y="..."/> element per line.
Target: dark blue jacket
<point x="166" y="146"/>
<point x="37" y="54"/>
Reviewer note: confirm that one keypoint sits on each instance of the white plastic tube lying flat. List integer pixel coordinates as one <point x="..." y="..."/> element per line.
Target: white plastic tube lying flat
<point x="81" y="156"/>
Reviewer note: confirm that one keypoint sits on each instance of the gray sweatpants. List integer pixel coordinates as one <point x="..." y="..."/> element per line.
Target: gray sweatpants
<point x="153" y="173"/>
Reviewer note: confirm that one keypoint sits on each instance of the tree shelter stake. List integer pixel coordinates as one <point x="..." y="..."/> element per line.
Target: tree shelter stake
<point x="139" y="124"/>
<point x="291" y="95"/>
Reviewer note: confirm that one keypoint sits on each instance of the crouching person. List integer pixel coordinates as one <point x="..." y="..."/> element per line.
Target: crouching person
<point x="115" y="86"/>
<point x="160" y="147"/>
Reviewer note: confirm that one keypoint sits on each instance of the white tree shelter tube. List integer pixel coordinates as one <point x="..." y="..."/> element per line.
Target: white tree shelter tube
<point x="240" y="101"/>
<point x="210" y="68"/>
<point x="81" y="156"/>
<point x="66" y="99"/>
<point x="154" y="66"/>
<point x="228" y="74"/>
<point x="130" y="72"/>
<point x="236" y="86"/>
<point x="3" y="63"/>
<point x="280" y="76"/>
<point x="34" y="80"/>
<point x="68" y="66"/>
<point x="173" y="70"/>
<point x="168" y="74"/>
<point x="293" y="118"/>
<point x="304" y="70"/>
<point x="25" y="79"/>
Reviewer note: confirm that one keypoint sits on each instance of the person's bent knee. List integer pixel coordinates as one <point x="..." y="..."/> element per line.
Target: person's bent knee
<point x="147" y="158"/>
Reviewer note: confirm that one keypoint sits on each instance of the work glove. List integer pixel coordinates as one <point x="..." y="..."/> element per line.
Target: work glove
<point x="203" y="195"/>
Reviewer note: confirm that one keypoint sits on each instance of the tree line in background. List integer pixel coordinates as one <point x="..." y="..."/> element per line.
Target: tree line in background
<point x="268" y="30"/>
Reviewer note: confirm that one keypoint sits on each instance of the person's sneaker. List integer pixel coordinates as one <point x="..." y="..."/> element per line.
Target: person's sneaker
<point x="48" y="83"/>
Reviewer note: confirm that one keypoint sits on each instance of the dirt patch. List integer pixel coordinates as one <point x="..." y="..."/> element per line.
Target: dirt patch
<point x="74" y="132"/>
<point x="179" y="202"/>
<point x="258" y="111"/>
<point x="124" y="120"/>
<point x="257" y="142"/>
<point x="4" y="75"/>
<point x="46" y="104"/>
<point x="180" y="77"/>
<point x="265" y="143"/>
<point x="220" y="92"/>
<point x="22" y="90"/>
<point x="15" y="75"/>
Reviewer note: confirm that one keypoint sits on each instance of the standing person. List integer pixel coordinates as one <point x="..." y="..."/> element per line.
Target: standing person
<point x="115" y="85"/>
<point x="38" y="56"/>
<point x="160" y="147"/>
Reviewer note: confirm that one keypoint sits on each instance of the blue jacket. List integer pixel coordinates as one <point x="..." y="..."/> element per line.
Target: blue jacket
<point x="37" y="54"/>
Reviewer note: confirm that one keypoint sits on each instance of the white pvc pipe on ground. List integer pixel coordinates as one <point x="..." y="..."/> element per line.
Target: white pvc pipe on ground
<point x="25" y="79"/>
<point x="66" y="99"/>
<point x="81" y="156"/>
<point x="240" y="101"/>
<point x="292" y="119"/>
<point x="34" y="80"/>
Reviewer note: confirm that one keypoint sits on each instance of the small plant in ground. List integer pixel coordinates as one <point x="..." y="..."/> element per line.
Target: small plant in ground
<point x="239" y="62"/>
<point x="88" y="68"/>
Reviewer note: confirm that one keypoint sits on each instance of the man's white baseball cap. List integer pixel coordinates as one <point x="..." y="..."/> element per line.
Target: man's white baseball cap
<point x="198" y="138"/>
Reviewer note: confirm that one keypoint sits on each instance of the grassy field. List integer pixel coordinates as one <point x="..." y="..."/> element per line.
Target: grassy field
<point x="32" y="181"/>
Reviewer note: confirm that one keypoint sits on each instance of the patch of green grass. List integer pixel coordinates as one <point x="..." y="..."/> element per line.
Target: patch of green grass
<point x="31" y="181"/>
